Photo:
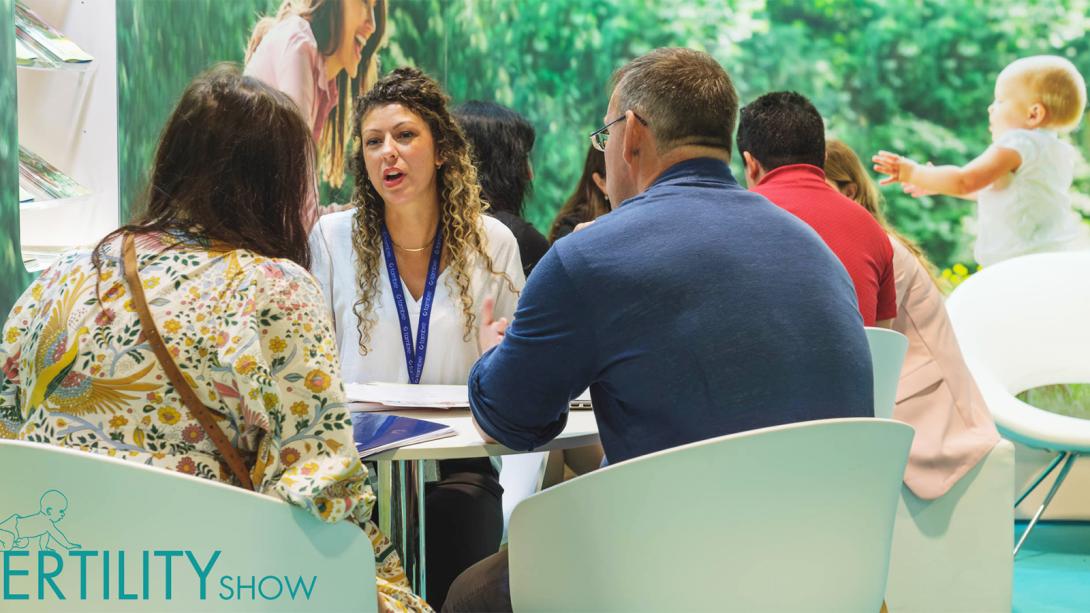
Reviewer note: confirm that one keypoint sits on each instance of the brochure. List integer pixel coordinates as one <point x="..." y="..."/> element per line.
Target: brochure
<point x="46" y="37"/>
<point x="378" y="432"/>
<point x="43" y="176"/>
<point x="24" y="195"/>
<point x="24" y="55"/>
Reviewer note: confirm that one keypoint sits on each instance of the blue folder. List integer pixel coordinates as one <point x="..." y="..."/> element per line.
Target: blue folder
<point x="378" y="432"/>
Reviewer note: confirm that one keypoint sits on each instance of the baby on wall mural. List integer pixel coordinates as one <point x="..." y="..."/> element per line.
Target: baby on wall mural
<point x="17" y="530"/>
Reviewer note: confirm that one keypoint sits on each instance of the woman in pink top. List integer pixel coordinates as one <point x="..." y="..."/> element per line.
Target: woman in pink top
<point x="313" y="50"/>
<point x="936" y="394"/>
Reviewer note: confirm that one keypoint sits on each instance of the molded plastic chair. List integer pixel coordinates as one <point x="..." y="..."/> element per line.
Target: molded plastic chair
<point x="887" y="354"/>
<point x="1022" y="324"/>
<point x="790" y="518"/>
<point x="138" y="521"/>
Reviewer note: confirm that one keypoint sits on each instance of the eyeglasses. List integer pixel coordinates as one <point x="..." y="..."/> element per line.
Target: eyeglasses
<point x="599" y="137"/>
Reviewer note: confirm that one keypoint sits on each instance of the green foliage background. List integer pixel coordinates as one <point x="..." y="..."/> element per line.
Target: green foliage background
<point x="914" y="76"/>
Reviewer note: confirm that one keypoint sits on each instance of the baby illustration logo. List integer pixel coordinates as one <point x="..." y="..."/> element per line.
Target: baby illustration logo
<point x="17" y="531"/>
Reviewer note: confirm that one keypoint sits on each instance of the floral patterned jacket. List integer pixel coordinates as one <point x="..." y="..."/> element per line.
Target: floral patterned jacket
<point x="252" y="337"/>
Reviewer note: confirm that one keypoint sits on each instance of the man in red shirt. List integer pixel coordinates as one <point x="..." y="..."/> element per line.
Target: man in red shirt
<point x="782" y="139"/>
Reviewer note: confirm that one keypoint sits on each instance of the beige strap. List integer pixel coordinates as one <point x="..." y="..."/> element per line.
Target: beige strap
<point x="203" y="414"/>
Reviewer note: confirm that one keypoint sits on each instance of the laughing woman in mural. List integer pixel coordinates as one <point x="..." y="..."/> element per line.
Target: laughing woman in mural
<point x="194" y="339"/>
<point x="408" y="274"/>
<point x="322" y="53"/>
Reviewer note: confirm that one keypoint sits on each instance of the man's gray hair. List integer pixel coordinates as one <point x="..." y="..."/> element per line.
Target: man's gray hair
<point x="685" y="96"/>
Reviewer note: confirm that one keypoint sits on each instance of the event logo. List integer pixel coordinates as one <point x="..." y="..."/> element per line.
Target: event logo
<point x="36" y="555"/>
<point x="17" y="530"/>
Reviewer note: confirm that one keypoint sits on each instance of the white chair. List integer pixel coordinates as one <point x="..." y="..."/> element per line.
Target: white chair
<point x="790" y="518"/>
<point x="1021" y="324"/>
<point x="256" y="553"/>
<point x="953" y="554"/>
<point x="887" y="354"/>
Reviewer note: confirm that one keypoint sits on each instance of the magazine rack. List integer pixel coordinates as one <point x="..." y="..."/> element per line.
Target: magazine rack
<point x="67" y="115"/>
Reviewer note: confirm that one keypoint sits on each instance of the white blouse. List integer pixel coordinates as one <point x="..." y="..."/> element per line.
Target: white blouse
<point x="449" y="355"/>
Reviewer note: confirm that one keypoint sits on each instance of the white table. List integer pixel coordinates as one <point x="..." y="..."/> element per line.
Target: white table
<point x="401" y="476"/>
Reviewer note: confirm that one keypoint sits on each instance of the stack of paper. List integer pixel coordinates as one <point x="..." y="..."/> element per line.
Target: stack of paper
<point x="376" y="396"/>
<point x="46" y="178"/>
<point x="386" y="396"/>
<point x="375" y="433"/>
<point x="49" y="45"/>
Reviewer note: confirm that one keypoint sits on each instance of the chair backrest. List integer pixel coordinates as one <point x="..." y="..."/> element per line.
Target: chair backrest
<point x="790" y="518"/>
<point x="887" y="355"/>
<point x="146" y="539"/>
<point x="1023" y="323"/>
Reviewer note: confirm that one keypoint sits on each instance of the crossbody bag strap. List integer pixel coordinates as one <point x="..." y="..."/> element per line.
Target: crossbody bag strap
<point x="230" y="455"/>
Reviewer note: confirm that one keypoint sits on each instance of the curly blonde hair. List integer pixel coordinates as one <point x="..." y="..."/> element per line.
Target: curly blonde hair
<point x="460" y="205"/>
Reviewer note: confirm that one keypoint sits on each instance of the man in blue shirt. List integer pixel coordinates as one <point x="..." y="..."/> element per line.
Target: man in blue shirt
<point x="694" y="310"/>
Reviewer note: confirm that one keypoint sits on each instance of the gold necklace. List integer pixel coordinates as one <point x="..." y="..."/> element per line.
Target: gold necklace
<point x="418" y="250"/>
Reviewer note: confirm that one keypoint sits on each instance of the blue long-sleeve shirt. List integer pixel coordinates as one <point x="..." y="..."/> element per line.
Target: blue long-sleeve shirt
<point x="696" y="309"/>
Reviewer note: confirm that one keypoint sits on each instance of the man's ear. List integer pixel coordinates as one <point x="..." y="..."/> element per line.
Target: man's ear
<point x="1037" y="114"/>
<point x="851" y="190"/>
<point x="754" y="170"/>
<point x="636" y="137"/>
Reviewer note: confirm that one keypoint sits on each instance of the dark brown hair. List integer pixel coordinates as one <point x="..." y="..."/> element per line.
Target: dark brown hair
<point x="586" y="202"/>
<point x="782" y="128"/>
<point x="685" y="96"/>
<point x="235" y="165"/>
<point x="501" y="141"/>
<point x="325" y="18"/>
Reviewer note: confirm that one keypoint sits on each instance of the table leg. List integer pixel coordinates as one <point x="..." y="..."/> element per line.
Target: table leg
<point x="404" y="522"/>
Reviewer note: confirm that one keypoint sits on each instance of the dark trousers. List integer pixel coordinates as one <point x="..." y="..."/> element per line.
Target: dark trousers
<point x="463" y="522"/>
<point x="485" y="586"/>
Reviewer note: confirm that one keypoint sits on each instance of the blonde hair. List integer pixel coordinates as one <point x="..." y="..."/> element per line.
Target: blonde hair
<point x="326" y="23"/>
<point x="842" y="166"/>
<point x="1056" y="84"/>
<point x="460" y="205"/>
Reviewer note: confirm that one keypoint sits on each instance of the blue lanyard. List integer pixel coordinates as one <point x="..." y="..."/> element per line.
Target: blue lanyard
<point x="414" y="360"/>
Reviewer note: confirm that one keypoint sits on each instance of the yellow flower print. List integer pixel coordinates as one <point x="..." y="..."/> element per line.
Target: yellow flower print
<point x="115" y="292"/>
<point x="129" y="307"/>
<point x="146" y="420"/>
<point x="37" y="292"/>
<point x="333" y="444"/>
<point x="299" y="409"/>
<point x="307" y="327"/>
<point x="117" y="421"/>
<point x="12" y="335"/>
<point x="172" y="326"/>
<point x="151" y="282"/>
<point x="61" y="423"/>
<point x="277" y="344"/>
<point x="246" y="364"/>
<point x="317" y="381"/>
<point x="270" y="400"/>
<point x="169" y="416"/>
<point x="309" y="468"/>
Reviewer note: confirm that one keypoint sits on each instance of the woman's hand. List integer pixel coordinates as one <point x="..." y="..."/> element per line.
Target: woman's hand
<point x="491" y="332"/>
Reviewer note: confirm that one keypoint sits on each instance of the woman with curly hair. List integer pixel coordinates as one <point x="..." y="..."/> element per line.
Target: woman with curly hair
<point x="406" y="273"/>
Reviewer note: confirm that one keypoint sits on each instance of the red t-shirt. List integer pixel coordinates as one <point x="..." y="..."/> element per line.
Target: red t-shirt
<point x="846" y="227"/>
